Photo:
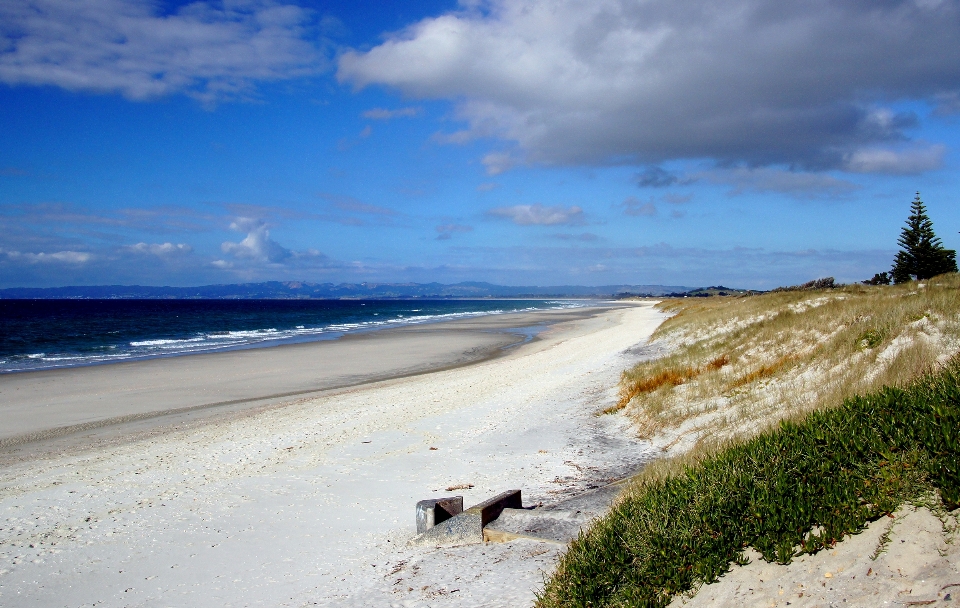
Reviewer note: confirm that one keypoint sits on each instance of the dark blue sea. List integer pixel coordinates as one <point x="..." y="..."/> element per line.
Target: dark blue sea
<point x="42" y="334"/>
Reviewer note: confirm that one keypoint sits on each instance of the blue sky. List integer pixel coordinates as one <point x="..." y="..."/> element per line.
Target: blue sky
<point x="526" y="142"/>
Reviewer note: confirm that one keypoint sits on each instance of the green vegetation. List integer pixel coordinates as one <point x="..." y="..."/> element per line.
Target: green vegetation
<point x="770" y="443"/>
<point x="921" y="256"/>
<point x="795" y="489"/>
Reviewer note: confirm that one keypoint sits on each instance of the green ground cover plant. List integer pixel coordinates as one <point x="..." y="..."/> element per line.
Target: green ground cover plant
<point x="794" y="489"/>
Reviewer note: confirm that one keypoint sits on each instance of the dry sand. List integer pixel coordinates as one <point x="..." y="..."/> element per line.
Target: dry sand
<point x="912" y="559"/>
<point x="311" y="502"/>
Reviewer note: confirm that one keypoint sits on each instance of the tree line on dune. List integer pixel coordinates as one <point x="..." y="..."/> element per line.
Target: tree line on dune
<point x="921" y="254"/>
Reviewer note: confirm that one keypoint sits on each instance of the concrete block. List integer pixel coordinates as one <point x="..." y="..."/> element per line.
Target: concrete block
<point x="491" y="509"/>
<point x="437" y="510"/>
<point x="462" y="529"/>
<point x="467" y="527"/>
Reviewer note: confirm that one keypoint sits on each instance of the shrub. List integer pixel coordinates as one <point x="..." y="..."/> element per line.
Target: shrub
<point x="824" y="283"/>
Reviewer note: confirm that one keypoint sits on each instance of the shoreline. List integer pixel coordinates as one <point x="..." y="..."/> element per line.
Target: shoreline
<point x="312" y="501"/>
<point x="49" y="404"/>
<point x="330" y="332"/>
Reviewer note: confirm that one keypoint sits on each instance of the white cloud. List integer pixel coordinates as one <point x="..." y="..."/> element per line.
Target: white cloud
<point x="351" y="211"/>
<point x="498" y="162"/>
<point x="798" y="184"/>
<point x="898" y="162"/>
<point x="257" y="246"/>
<point x="446" y="231"/>
<point x="634" y="206"/>
<point x="655" y="264"/>
<point x="207" y="50"/>
<point x="385" y="114"/>
<point x="160" y="249"/>
<point x="621" y="81"/>
<point x="65" y="257"/>
<point x="530" y="215"/>
<point x="584" y="237"/>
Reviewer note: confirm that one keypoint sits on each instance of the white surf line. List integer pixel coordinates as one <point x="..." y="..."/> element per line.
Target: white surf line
<point x="312" y="503"/>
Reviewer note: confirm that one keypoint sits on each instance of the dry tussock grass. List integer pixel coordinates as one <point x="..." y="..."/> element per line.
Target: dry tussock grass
<point x="668" y="377"/>
<point x="764" y="371"/>
<point x="738" y="365"/>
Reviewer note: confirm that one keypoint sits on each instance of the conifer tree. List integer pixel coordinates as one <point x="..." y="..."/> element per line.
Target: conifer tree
<point x="921" y="255"/>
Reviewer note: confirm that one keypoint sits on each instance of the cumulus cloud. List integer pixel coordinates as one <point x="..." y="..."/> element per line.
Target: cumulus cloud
<point x="160" y="249"/>
<point x="898" y="162"/>
<point x="204" y="49"/>
<point x="759" y="82"/>
<point x="257" y="246"/>
<point x="539" y="215"/>
<point x="385" y="114"/>
<point x="64" y="257"/>
<point x="446" y="231"/>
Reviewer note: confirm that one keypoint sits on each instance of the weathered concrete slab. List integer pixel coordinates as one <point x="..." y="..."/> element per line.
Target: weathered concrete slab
<point x="560" y="522"/>
<point x="463" y="529"/>
<point x="467" y="527"/>
<point x="558" y="526"/>
<point x="437" y="510"/>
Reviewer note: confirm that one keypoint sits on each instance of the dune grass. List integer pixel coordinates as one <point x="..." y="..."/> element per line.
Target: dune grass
<point x="794" y="489"/>
<point x="774" y="446"/>
<point x="736" y="365"/>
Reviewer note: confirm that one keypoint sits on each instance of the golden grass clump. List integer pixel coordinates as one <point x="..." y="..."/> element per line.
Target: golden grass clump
<point x="737" y="365"/>
<point x="764" y="371"/>
<point x="667" y="377"/>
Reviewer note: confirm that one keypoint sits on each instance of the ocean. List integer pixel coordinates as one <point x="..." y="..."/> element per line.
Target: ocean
<point x="44" y="334"/>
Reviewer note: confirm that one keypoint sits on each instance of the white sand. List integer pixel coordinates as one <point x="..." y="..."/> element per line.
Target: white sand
<point x="312" y="503"/>
<point x="919" y="565"/>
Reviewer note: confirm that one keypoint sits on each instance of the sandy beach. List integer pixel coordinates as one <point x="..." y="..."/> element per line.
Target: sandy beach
<point x="53" y="403"/>
<point x="288" y="476"/>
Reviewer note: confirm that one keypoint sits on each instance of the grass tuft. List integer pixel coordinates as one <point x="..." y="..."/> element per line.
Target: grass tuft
<point x="664" y="378"/>
<point x="718" y="363"/>
<point x="870" y="338"/>
<point x="764" y="371"/>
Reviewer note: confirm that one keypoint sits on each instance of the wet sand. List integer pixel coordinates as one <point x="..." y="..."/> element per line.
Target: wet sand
<point x="40" y="405"/>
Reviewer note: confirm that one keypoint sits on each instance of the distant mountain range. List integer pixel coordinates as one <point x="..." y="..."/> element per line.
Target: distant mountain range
<point x="298" y="290"/>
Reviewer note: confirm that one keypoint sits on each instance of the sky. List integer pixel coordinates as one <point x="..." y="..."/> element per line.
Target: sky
<point x="748" y="143"/>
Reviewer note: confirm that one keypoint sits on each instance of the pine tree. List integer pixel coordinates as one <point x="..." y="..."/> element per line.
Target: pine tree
<point x="921" y="255"/>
